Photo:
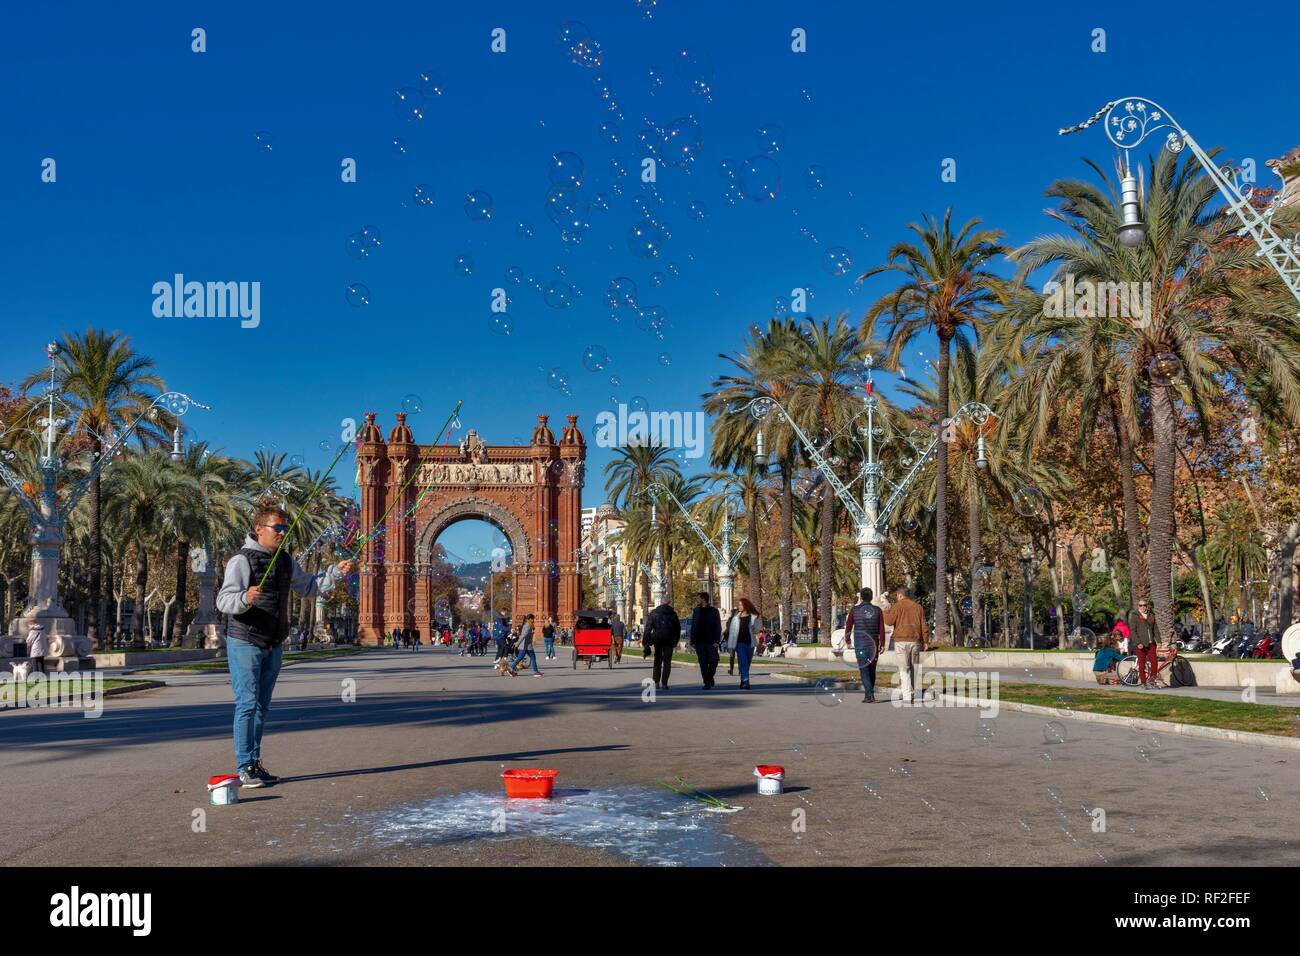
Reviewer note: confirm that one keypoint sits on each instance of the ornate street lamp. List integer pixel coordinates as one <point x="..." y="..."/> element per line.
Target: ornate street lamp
<point x="47" y="516"/>
<point x="1129" y="121"/>
<point x="723" y="556"/>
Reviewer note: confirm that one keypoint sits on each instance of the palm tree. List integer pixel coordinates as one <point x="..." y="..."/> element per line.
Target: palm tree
<point x="764" y="369"/>
<point x="1234" y="547"/>
<point x="1214" y="323"/>
<point x="109" y="385"/>
<point x="627" y="476"/>
<point x="944" y="291"/>
<point x="823" y="404"/>
<point x="145" y="488"/>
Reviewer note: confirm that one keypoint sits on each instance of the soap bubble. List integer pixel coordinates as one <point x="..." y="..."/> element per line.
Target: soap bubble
<point x="296" y="461"/>
<point x="515" y="274"/>
<point x="638" y="403"/>
<point x="409" y="104"/>
<point x="733" y="194"/>
<point x="647" y="8"/>
<point x="1155" y="741"/>
<point x="924" y="728"/>
<point x="431" y="84"/>
<point x="423" y="195"/>
<point x="1054" y="732"/>
<point x="760" y="179"/>
<point x="828" y="692"/>
<point x="610" y="132"/>
<point x="646" y="239"/>
<point x="595" y="358"/>
<point x="1142" y="754"/>
<point x="371" y="238"/>
<point x="413" y="404"/>
<point x="837" y="261"/>
<point x="657" y="280"/>
<point x="673" y="270"/>
<point x="665" y="359"/>
<point x="566" y="170"/>
<point x="558" y="378"/>
<point x="696" y="69"/>
<point x="464" y="265"/>
<point x="563" y="205"/>
<point x="1065" y="706"/>
<point x="264" y="141"/>
<point x="399" y="147"/>
<point x="770" y="137"/>
<point x="1164" y="368"/>
<point x="697" y="211"/>
<point x="985" y="731"/>
<point x="358" y="295"/>
<point x="618" y="168"/>
<point x="357" y="247"/>
<point x="501" y="325"/>
<point x="478" y="206"/>
<point x="525" y="229"/>
<point x="682" y="141"/>
<point x="815" y="177"/>
<point x="600" y="201"/>
<point x="559" y="295"/>
<point x="1028" y="501"/>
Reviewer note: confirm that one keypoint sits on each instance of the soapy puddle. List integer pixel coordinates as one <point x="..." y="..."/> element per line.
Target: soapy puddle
<point x="642" y="825"/>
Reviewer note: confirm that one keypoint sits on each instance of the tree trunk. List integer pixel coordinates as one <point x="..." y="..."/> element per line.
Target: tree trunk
<point x="1160" y="533"/>
<point x="941" y="504"/>
<point x="755" y="569"/>
<point x="182" y="581"/>
<point x="787" y="546"/>
<point x="826" y="569"/>
<point x="1137" y="578"/>
<point x="973" y="533"/>
<point x="141" y="582"/>
<point x="1284" y="574"/>
<point x="96" y="610"/>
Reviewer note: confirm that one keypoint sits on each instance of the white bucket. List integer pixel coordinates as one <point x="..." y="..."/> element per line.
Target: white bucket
<point x="223" y="793"/>
<point x="770" y="784"/>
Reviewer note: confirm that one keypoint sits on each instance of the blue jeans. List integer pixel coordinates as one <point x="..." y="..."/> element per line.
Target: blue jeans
<point x="252" y="676"/>
<point x="744" y="654"/>
<point x="550" y="646"/>
<point x="866" y="666"/>
<point x="532" y="658"/>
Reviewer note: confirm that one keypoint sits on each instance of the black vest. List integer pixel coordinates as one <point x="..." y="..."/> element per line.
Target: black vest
<point x="266" y="623"/>
<point x="867" y="622"/>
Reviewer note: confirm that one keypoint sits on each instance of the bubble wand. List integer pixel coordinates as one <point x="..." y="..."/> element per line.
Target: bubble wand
<point x="303" y="509"/>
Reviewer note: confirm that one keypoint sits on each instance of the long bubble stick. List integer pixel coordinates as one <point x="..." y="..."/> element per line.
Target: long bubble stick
<point x="303" y="509"/>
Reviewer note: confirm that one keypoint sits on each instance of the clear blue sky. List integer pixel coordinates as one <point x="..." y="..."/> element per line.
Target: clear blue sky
<point x="159" y="172"/>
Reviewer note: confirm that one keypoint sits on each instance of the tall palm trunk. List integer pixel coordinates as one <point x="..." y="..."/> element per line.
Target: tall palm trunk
<point x="976" y="559"/>
<point x="826" y="570"/>
<point x="1137" y="577"/>
<point x="95" y="610"/>
<point x="755" y="569"/>
<point x="141" y="582"/>
<point x="1160" y="533"/>
<point x="182" y="581"/>
<point x="941" y="505"/>
<point x="787" y="547"/>
<point x="1283" y="574"/>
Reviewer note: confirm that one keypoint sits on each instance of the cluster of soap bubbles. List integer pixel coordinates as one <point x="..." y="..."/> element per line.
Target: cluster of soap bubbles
<point x="410" y="102"/>
<point x="695" y="68"/>
<point x="578" y="45"/>
<point x="837" y="261"/>
<point x="646" y="238"/>
<point x="362" y="243"/>
<point x="558" y="379"/>
<point x="479" y="206"/>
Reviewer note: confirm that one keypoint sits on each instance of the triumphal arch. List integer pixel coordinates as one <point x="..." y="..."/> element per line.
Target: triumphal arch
<point x="411" y="493"/>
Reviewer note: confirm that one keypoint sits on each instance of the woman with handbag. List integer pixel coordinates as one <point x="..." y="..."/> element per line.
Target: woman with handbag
<point x="740" y="637"/>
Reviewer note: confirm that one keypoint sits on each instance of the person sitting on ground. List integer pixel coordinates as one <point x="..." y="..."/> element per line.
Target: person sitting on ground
<point x="1103" y="665"/>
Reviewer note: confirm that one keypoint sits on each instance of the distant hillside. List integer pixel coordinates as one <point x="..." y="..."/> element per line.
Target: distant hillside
<point x="474" y="575"/>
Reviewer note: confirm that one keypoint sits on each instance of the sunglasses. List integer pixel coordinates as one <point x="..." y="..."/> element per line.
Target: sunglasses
<point x="277" y="528"/>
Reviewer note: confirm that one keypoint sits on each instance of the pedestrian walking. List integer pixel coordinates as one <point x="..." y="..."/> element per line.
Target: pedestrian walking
<point x="909" y="633"/>
<point x="663" y="632"/>
<point x="617" y="630"/>
<point x="741" y="630"/>
<point x="525" y="649"/>
<point x="1144" y="636"/>
<point x="37" y="647"/>
<point x="706" y="636"/>
<point x="548" y="638"/>
<point x="258" y="616"/>
<point x="865" y="626"/>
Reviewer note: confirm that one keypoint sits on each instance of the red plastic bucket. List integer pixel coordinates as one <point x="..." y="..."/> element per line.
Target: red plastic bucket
<point x="529" y="783"/>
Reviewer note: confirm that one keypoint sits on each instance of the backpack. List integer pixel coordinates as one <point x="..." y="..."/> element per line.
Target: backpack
<point x="1181" y="674"/>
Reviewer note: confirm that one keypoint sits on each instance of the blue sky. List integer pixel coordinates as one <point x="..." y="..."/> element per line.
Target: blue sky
<point x="159" y="172"/>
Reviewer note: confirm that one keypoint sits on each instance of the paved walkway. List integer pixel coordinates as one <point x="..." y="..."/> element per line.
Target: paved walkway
<point x="868" y="784"/>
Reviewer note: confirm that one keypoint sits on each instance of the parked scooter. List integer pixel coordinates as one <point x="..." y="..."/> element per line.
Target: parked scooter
<point x="1224" y="644"/>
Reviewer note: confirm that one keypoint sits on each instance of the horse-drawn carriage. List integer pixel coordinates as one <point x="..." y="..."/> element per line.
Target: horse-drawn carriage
<point x="592" y="638"/>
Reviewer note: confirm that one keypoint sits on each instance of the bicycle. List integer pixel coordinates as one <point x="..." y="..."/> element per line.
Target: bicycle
<point x="1127" y="669"/>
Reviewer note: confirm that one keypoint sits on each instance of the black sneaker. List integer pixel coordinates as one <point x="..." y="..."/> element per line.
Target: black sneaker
<point x="263" y="774"/>
<point x="249" y="779"/>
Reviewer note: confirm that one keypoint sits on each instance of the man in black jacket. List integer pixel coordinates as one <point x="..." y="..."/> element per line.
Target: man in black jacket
<point x="663" y="631"/>
<point x="706" y="636"/>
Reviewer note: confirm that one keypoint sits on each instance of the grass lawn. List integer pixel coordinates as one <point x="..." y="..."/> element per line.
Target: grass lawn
<point x="1224" y="714"/>
<point x="219" y="664"/>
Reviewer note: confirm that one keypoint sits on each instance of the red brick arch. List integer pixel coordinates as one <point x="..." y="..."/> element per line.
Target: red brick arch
<point x="532" y="492"/>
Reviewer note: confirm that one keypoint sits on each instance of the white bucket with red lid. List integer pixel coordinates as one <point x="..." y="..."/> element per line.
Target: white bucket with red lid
<point x="770" y="779"/>
<point x="223" y="789"/>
